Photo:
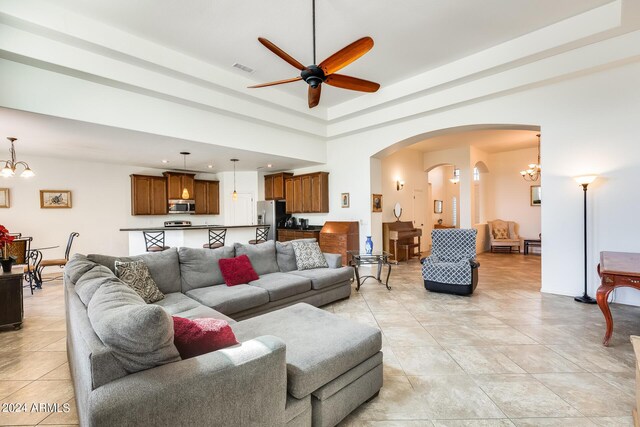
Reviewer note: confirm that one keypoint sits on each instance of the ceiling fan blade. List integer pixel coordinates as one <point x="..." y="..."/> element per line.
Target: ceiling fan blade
<point x="281" y="53"/>
<point x="314" y="96"/>
<point x="352" y="83"/>
<point x="347" y="55"/>
<point x="279" y="82"/>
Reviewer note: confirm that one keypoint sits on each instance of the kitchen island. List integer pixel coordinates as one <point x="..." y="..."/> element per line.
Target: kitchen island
<point x="193" y="236"/>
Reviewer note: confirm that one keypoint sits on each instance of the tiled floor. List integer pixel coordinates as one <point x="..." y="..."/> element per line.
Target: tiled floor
<point x="506" y="356"/>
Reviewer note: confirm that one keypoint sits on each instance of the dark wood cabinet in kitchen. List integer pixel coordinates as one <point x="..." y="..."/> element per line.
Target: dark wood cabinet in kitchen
<point x="308" y="193"/>
<point x="207" y="197"/>
<point x="274" y="186"/>
<point x="177" y="182"/>
<point x="148" y="195"/>
<point x="11" y="307"/>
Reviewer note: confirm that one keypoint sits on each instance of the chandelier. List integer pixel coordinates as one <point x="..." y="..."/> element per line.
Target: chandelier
<point x="533" y="171"/>
<point x="10" y="165"/>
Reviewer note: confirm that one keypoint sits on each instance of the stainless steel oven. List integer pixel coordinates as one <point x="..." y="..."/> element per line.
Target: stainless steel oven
<point x="179" y="206"/>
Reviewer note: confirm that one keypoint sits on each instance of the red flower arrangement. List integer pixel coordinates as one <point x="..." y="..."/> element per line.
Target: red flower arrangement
<point x="5" y="239"/>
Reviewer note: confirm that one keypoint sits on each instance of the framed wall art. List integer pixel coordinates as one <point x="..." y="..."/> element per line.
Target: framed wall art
<point x="55" y="199"/>
<point x="5" y="201"/>
<point x="376" y="203"/>
<point x="536" y="195"/>
<point x="344" y="200"/>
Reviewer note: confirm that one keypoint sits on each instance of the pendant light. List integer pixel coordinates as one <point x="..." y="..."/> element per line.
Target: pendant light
<point x="10" y="165"/>
<point x="185" y="190"/>
<point x="533" y="171"/>
<point x="234" y="196"/>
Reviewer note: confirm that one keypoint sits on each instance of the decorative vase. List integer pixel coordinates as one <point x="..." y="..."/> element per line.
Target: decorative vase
<point x="368" y="245"/>
<point x="6" y="264"/>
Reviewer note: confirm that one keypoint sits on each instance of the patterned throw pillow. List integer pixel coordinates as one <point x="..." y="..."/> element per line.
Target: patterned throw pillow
<point x="135" y="274"/>
<point x="308" y="255"/>
<point x="500" y="233"/>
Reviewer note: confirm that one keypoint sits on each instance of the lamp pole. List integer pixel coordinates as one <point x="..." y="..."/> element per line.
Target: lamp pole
<point x="585" y="181"/>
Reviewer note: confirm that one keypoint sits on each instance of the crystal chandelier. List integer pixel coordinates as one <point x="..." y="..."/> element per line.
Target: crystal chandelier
<point x="533" y="171"/>
<point x="10" y="165"/>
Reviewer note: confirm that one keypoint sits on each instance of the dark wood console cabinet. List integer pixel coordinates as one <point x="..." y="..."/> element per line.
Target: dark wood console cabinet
<point x="338" y="237"/>
<point x="11" y="307"/>
<point x="287" y="234"/>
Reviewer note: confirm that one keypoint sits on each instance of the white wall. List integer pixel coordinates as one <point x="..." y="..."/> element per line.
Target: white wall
<point x="404" y="165"/>
<point x="101" y="206"/>
<point x="510" y="193"/>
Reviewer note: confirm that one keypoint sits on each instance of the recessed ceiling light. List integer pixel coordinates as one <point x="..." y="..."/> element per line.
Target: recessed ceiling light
<point x="242" y="67"/>
<point x="269" y="165"/>
<point x="165" y="161"/>
<point x="210" y="166"/>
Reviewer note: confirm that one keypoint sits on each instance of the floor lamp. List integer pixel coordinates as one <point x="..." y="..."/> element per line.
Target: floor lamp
<point x="585" y="181"/>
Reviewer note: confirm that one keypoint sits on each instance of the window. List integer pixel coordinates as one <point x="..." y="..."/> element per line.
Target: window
<point x="476" y="174"/>
<point x="456" y="173"/>
<point x="454" y="211"/>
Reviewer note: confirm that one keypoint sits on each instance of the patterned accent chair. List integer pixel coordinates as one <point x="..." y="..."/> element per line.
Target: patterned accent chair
<point x="452" y="267"/>
<point x="504" y="235"/>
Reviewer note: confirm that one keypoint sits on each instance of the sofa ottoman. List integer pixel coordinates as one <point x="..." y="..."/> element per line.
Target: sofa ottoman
<point x="336" y="360"/>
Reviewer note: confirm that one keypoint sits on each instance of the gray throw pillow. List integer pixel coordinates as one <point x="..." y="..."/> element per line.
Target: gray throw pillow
<point x="308" y="255"/>
<point x="139" y="335"/>
<point x="135" y="274"/>
<point x="262" y="256"/>
<point x="285" y="255"/>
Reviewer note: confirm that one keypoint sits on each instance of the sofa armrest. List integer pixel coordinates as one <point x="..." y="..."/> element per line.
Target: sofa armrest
<point x="218" y="387"/>
<point x="334" y="260"/>
<point x="474" y="263"/>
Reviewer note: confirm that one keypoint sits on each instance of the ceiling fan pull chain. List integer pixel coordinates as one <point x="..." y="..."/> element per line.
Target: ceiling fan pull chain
<point x="313" y="2"/>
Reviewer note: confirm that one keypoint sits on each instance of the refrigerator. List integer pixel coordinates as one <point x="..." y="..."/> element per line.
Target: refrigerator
<point x="272" y="213"/>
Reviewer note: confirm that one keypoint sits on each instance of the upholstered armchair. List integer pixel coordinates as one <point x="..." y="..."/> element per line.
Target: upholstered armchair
<point x="452" y="267"/>
<point x="504" y="235"/>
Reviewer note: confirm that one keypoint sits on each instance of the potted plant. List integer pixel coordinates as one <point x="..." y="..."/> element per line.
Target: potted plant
<point x="5" y="241"/>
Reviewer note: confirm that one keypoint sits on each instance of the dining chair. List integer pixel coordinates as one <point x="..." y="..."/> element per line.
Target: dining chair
<point x="22" y="254"/>
<point x="154" y="241"/>
<point x="262" y="235"/>
<point x="217" y="237"/>
<point x="60" y="262"/>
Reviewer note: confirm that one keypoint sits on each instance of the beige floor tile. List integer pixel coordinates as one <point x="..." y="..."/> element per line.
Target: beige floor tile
<point x="400" y="336"/>
<point x="522" y="396"/>
<point x="430" y="360"/>
<point x="60" y="373"/>
<point x="454" y="397"/>
<point x="473" y="423"/>
<point x="34" y="394"/>
<point x="613" y="421"/>
<point x="9" y="387"/>
<point x="483" y="360"/>
<point x="592" y="396"/>
<point x="60" y="345"/>
<point x="33" y="366"/>
<point x="553" y="422"/>
<point x="537" y="359"/>
<point x="68" y="416"/>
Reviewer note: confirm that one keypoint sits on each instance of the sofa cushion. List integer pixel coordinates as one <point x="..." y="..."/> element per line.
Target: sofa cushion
<point x="201" y="312"/>
<point x="136" y="275"/>
<point x="163" y="266"/>
<point x="282" y="285"/>
<point x="120" y="318"/>
<point x="199" y="267"/>
<point x="230" y="299"/>
<point x="344" y="344"/>
<point x="325" y="277"/>
<point x="262" y="256"/>
<point x="77" y="266"/>
<point x="308" y="255"/>
<point x="177" y="302"/>
<point x="286" y="257"/>
<point x="200" y="336"/>
<point x="88" y="284"/>
<point x="237" y="271"/>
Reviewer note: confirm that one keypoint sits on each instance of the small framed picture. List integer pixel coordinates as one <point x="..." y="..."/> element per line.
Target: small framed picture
<point x="5" y="201"/>
<point x="376" y="203"/>
<point x="344" y="200"/>
<point x="55" y="199"/>
<point x="536" y="195"/>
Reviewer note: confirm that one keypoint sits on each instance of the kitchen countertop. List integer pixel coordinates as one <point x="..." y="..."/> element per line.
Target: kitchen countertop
<point x="191" y="227"/>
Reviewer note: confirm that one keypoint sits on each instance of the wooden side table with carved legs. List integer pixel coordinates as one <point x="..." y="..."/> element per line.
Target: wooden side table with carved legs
<point x="616" y="269"/>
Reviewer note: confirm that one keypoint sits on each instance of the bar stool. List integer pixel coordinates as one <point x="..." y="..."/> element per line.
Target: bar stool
<point x="154" y="241"/>
<point x="216" y="238"/>
<point x="262" y="235"/>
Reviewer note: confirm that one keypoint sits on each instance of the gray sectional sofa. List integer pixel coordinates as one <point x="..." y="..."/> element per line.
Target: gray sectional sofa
<point x="296" y="365"/>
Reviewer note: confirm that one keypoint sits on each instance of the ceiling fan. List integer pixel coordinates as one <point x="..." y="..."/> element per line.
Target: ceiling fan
<point x="325" y="72"/>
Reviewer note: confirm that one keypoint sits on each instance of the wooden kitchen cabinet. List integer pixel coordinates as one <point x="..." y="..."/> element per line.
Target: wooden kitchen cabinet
<point x="148" y="195"/>
<point x="275" y="186"/>
<point x="307" y="193"/>
<point x="177" y="181"/>
<point x="207" y="197"/>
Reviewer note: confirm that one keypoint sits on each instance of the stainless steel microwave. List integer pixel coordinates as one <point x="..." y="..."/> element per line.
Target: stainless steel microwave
<point x="180" y="206"/>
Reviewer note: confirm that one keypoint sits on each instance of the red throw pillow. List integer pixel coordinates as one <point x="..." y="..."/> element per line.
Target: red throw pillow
<point x="238" y="270"/>
<point x="199" y="336"/>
